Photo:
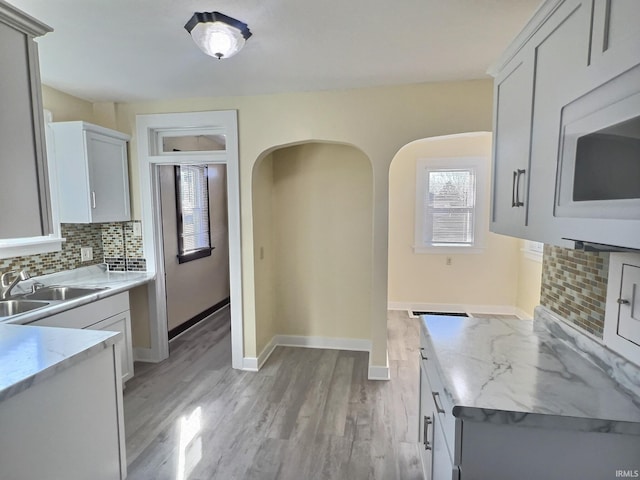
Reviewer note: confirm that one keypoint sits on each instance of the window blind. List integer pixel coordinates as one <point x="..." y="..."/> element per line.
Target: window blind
<point x="192" y="194"/>
<point x="449" y="204"/>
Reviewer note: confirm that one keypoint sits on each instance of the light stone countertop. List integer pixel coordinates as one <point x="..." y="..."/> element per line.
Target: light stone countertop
<point x="93" y="276"/>
<point x="541" y="374"/>
<point x="29" y="355"/>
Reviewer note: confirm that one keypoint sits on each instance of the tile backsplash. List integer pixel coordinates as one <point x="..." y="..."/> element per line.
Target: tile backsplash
<point x="122" y="248"/>
<point x="574" y="286"/>
<point x="77" y="235"/>
<point x="112" y="243"/>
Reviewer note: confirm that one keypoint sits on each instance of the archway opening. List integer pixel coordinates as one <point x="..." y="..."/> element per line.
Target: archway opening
<point x="312" y="227"/>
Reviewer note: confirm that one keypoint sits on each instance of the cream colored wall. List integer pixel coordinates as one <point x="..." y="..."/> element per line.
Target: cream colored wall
<point x="263" y="255"/>
<point x="66" y="108"/>
<point x="529" y="282"/>
<point x="322" y="239"/>
<point x="488" y="278"/>
<point x="378" y="121"/>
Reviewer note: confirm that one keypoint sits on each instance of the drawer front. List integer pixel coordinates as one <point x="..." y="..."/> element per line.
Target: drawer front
<point x="443" y="404"/>
<point x="89" y="314"/>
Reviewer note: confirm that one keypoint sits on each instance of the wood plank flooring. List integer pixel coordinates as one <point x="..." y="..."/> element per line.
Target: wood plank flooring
<point x="308" y="413"/>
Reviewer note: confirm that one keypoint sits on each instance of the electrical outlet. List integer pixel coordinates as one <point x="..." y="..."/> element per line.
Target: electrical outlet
<point x="86" y="254"/>
<point x="137" y="229"/>
<point x="448" y="261"/>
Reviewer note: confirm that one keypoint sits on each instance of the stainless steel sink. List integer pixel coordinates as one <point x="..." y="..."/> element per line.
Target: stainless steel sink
<point x="14" y="307"/>
<point x="61" y="293"/>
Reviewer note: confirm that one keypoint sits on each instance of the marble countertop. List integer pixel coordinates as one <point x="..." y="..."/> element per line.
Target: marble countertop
<point x="536" y="373"/>
<point x="93" y="276"/>
<point x="31" y="354"/>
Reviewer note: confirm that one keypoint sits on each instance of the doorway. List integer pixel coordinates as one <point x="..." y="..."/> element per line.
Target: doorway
<point x="221" y="128"/>
<point x="193" y="201"/>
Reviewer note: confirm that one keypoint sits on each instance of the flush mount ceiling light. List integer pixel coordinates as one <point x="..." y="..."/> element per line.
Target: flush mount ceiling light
<point x="216" y="34"/>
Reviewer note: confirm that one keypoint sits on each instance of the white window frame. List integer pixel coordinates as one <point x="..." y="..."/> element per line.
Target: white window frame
<point x="426" y="165"/>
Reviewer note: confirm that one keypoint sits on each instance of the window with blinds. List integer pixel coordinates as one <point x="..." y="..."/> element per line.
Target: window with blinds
<point x="450" y="197"/>
<point x="450" y="193"/>
<point x="192" y="202"/>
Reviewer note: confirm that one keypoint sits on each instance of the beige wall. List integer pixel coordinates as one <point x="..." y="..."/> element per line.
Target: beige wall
<point x="378" y="121"/>
<point x="319" y="244"/>
<point x="487" y="278"/>
<point x="263" y="255"/>
<point x="529" y="282"/>
<point x="66" y="108"/>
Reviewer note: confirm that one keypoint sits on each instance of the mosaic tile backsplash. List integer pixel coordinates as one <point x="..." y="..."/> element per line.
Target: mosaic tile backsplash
<point x="112" y="243"/>
<point x="122" y="248"/>
<point x="574" y="286"/>
<point x="77" y="235"/>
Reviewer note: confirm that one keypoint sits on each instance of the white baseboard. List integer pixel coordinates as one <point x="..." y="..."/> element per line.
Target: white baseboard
<point x="144" y="355"/>
<point x="456" y="307"/>
<point x="379" y="372"/>
<point x="330" y="343"/>
<point x="522" y="314"/>
<point x="250" y="364"/>
<point x="376" y="372"/>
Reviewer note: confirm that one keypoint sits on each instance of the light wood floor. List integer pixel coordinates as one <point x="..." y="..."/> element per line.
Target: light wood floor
<point x="308" y="414"/>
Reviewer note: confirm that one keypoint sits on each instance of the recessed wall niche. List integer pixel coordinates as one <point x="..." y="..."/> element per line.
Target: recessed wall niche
<point x="313" y="231"/>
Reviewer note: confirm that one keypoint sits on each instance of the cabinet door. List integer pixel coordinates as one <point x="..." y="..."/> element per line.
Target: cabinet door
<point x="443" y="467"/>
<point x="512" y="126"/>
<point x="427" y="414"/>
<point x="108" y="178"/>
<point x="24" y="193"/>
<point x="120" y="323"/>
<point x="561" y="62"/>
<point x="629" y="312"/>
<point x="615" y="45"/>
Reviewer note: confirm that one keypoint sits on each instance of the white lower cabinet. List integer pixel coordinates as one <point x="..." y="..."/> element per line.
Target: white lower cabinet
<point x="110" y="314"/>
<point x="484" y="448"/>
<point x="68" y="426"/>
<point x="436" y="448"/>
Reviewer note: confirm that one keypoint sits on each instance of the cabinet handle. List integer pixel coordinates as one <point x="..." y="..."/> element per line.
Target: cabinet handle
<point x="513" y="190"/>
<point x="422" y="355"/>
<point x="425" y="432"/>
<point x="518" y="202"/>
<point x="436" y="399"/>
<point x="93" y="199"/>
<point x="623" y="301"/>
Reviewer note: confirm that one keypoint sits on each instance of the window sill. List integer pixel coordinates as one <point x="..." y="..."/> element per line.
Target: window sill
<point x="202" y="253"/>
<point x="448" y="250"/>
<point x="19" y="247"/>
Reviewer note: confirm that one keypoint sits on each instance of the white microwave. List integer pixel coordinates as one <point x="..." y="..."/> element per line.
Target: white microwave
<point x="598" y="173"/>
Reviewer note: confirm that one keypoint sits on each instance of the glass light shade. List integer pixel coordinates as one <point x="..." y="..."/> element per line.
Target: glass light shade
<point x="218" y="39"/>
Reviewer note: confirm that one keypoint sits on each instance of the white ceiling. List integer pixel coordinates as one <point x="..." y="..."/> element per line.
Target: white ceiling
<point x="133" y="50"/>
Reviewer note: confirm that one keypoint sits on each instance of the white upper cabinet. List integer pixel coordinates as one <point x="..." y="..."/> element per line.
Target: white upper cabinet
<point x="573" y="61"/>
<point x="615" y="45"/>
<point x="24" y="193"/>
<point x="513" y="91"/>
<point x="93" y="175"/>
<point x="528" y="97"/>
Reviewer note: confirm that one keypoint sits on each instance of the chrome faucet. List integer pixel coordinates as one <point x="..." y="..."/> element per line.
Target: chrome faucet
<point x="7" y="287"/>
